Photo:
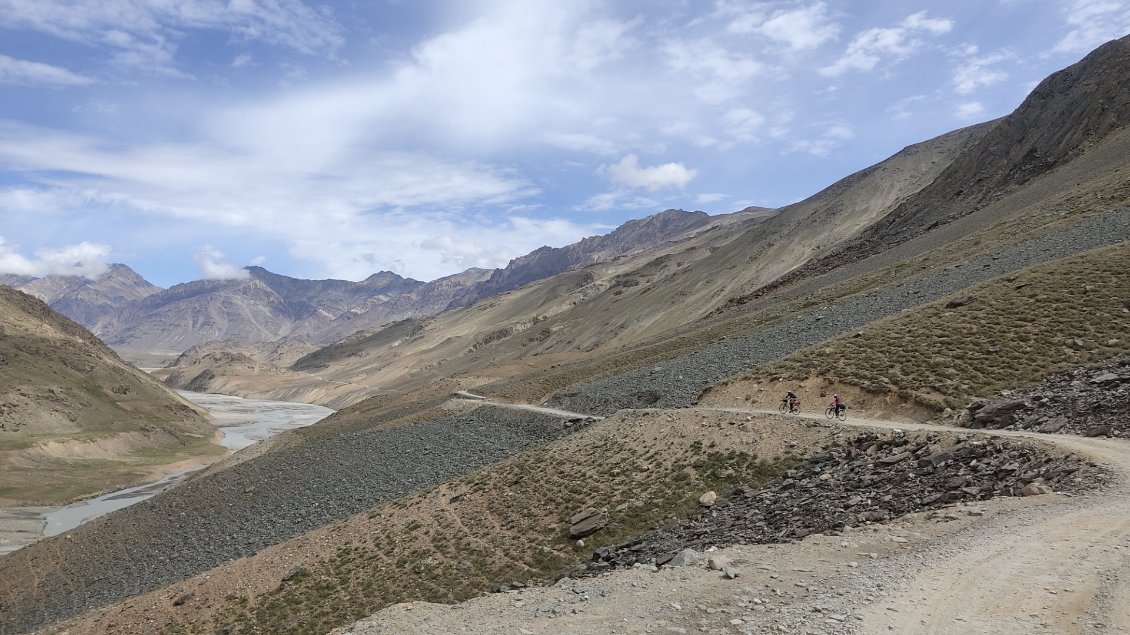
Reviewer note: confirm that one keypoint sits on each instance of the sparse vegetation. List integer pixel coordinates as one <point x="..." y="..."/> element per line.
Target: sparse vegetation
<point x="509" y="523"/>
<point x="74" y="419"/>
<point x="1004" y="333"/>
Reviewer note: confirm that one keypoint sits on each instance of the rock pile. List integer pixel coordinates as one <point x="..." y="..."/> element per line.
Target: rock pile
<point x="1092" y="401"/>
<point x="866" y="478"/>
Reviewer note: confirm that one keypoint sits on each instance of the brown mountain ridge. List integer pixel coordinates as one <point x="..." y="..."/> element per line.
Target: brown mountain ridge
<point x="75" y="419"/>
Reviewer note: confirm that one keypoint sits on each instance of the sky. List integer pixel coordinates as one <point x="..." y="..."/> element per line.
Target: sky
<point x="191" y="138"/>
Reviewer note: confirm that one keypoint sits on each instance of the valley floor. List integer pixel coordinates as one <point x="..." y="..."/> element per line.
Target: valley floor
<point x="1042" y="564"/>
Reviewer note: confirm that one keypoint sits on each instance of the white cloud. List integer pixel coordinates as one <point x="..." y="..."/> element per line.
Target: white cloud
<point x="618" y="200"/>
<point x="920" y="22"/>
<point x="709" y="197"/>
<point x="213" y="266"/>
<point x="83" y="259"/>
<point x="840" y="131"/>
<point x="144" y="34"/>
<point x="428" y="246"/>
<point x="974" y="72"/>
<point x="743" y="123"/>
<point x="464" y="253"/>
<point x="969" y="110"/>
<point x="721" y="74"/>
<point x="98" y="106"/>
<point x="31" y="200"/>
<point x="35" y="200"/>
<point x="14" y="71"/>
<point x="693" y="132"/>
<point x="833" y="135"/>
<point x="872" y="46"/>
<point x="215" y="185"/>
<point x="1091" y="23"/>
<point x="902" y="108"/>
<point x="580" y="142"/>
<point x="628" y="172"/>
<point x="798" y="29"/>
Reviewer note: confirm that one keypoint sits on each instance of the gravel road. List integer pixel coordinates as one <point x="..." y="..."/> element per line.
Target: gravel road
<point x="678" y="382"/>
<point x="1044" y="564"/>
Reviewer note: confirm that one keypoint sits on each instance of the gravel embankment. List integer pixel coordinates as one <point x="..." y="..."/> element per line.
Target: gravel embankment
<point x="864" y="479"/>
<point x="678" y="382"/>
<point x="1093" y="402"/>
<point x="233" y="513"/>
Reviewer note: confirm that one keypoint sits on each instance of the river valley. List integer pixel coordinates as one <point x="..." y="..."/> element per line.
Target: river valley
<point x="243" y="422"/>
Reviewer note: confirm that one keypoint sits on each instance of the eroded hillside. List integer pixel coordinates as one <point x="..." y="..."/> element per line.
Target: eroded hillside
<point x="602" y="307"/>
<point x="74" y="419"/>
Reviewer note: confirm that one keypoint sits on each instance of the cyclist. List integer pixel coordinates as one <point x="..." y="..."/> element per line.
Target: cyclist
<point x="791" y="399"/>
<point x="838" y="404"/>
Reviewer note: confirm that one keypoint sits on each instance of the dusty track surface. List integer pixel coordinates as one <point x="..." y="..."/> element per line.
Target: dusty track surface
<point x="1046" y="564"/>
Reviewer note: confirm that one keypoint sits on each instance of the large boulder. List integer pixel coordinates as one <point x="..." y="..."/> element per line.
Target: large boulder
<point x="587" y="522"/>
<point x="999" y="415"/>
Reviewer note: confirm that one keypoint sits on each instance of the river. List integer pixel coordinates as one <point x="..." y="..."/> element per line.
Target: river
<point x="243" y="422"/>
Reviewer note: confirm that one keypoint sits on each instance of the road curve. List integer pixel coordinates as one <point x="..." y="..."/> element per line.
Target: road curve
<point x="1048" y="569"/>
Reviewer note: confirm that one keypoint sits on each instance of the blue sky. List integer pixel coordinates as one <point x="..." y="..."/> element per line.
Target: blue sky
<point x="190" y="138"/>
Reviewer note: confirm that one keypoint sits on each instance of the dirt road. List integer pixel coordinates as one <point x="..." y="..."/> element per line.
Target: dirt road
<point x="1055" y="565"/>
<point x="1054" y="571"/>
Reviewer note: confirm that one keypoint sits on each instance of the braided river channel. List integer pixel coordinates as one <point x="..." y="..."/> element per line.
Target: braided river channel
<point x="242" y="421"/>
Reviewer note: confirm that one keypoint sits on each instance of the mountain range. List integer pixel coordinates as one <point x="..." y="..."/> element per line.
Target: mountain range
<point x="131" y="314"/>
<point x="584" y="407"/>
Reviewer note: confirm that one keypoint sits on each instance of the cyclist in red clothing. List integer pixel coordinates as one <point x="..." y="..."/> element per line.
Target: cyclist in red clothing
<point x="838" y="404"/>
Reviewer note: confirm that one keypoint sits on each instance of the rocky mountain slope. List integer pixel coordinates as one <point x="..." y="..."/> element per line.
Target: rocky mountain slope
<point x="674" y="345"/>
<point x="76" y="420"/>
<point x="1067" y="116"/>
<point x="82" y="299"/>
<point x="631" y="237"/>
<point x="268" y="307"/>
<point x="609" y="304"/>
<point x="263" y="307"/>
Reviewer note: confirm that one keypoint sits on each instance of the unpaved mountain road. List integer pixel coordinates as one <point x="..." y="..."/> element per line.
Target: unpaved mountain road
<point x="1056" y="571"/>
<point x="472" y="399"/>
<point x="1045" y="564"/>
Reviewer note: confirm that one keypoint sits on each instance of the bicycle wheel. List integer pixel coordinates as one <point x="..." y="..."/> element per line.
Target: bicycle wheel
<point x="842" y="414"/>
<point x="794" y="409"/>
<point x="830" y="412"/>
<point x="784" y="407"/>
